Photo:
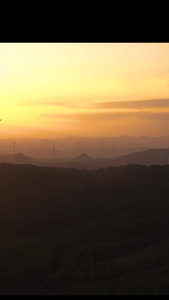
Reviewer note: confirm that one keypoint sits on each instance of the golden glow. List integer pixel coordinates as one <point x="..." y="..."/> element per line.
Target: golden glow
<point x="57" y="90"/>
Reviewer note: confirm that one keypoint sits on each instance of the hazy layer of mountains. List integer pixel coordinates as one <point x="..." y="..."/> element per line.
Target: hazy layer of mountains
<point x="84" y="161"/>
<point x="71" y="147"/>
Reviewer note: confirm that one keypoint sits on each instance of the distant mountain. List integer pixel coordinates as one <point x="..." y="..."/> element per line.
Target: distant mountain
<point x="84" y="161"/>
<point x="18" y="158"/>
<point x="83" y="158"/>
<point x="71" y="147"/>
<point x="148" y="157"/>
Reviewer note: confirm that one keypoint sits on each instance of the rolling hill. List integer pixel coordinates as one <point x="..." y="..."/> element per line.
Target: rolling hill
<point x="70" y="232"/>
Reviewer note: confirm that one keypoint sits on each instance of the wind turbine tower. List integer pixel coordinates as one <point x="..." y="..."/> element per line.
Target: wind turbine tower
<point x="14" y="147"/>
<point x="53" y="149"/>
<point x="113" y="150"/>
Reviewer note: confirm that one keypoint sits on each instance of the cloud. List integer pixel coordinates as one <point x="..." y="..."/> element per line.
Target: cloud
<point x="46" y="103"/>
<point x="88" y="117"/>
<point x="162" y="116"/>
<point x="95" y="117"/>
<point x="138" y="104"/>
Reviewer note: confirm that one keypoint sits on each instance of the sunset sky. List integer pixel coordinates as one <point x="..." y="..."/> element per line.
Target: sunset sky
<point x="52" y="90"/>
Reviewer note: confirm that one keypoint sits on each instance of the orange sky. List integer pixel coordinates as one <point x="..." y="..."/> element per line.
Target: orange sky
<point x="52" y="90"/>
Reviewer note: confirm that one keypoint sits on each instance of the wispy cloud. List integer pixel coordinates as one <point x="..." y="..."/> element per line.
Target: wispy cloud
<point x="161" y="116"/>
<point x="107" y="111"/>
<point x="96" y="117"/>
<point x="87" y="117"/>
<point x="138" y="104"/>
<point x="48" y="103"/>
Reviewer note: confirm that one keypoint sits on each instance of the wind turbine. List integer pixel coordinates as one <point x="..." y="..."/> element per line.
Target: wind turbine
<point x="14" y="147"/>
<point x="53" y="149"/>
<point x="113" y="150"/>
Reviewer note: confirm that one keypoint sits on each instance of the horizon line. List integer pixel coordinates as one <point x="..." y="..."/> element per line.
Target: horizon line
<point x="84" y="137"/>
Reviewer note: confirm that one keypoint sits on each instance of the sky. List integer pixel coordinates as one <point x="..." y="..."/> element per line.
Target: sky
<point x="51" y="90"/>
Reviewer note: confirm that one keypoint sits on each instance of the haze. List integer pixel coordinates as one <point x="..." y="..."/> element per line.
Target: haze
<point x="84" y="169"/>
<point x="52" y="90"/>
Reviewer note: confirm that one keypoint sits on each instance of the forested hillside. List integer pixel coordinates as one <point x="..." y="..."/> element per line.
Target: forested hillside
<point x="64" y="231"/>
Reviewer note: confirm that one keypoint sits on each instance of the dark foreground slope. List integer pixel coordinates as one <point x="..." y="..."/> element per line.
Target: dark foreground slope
<point x="64" y="231"/>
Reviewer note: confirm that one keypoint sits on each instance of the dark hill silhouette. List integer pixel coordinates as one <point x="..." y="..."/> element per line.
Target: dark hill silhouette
<point x="70" y="232"/>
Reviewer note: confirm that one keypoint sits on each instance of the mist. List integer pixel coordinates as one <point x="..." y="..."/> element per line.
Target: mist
<point x="70" y="147"/>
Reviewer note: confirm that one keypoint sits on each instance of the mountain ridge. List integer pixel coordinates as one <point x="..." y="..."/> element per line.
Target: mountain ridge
<point x="83" y="161"/>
